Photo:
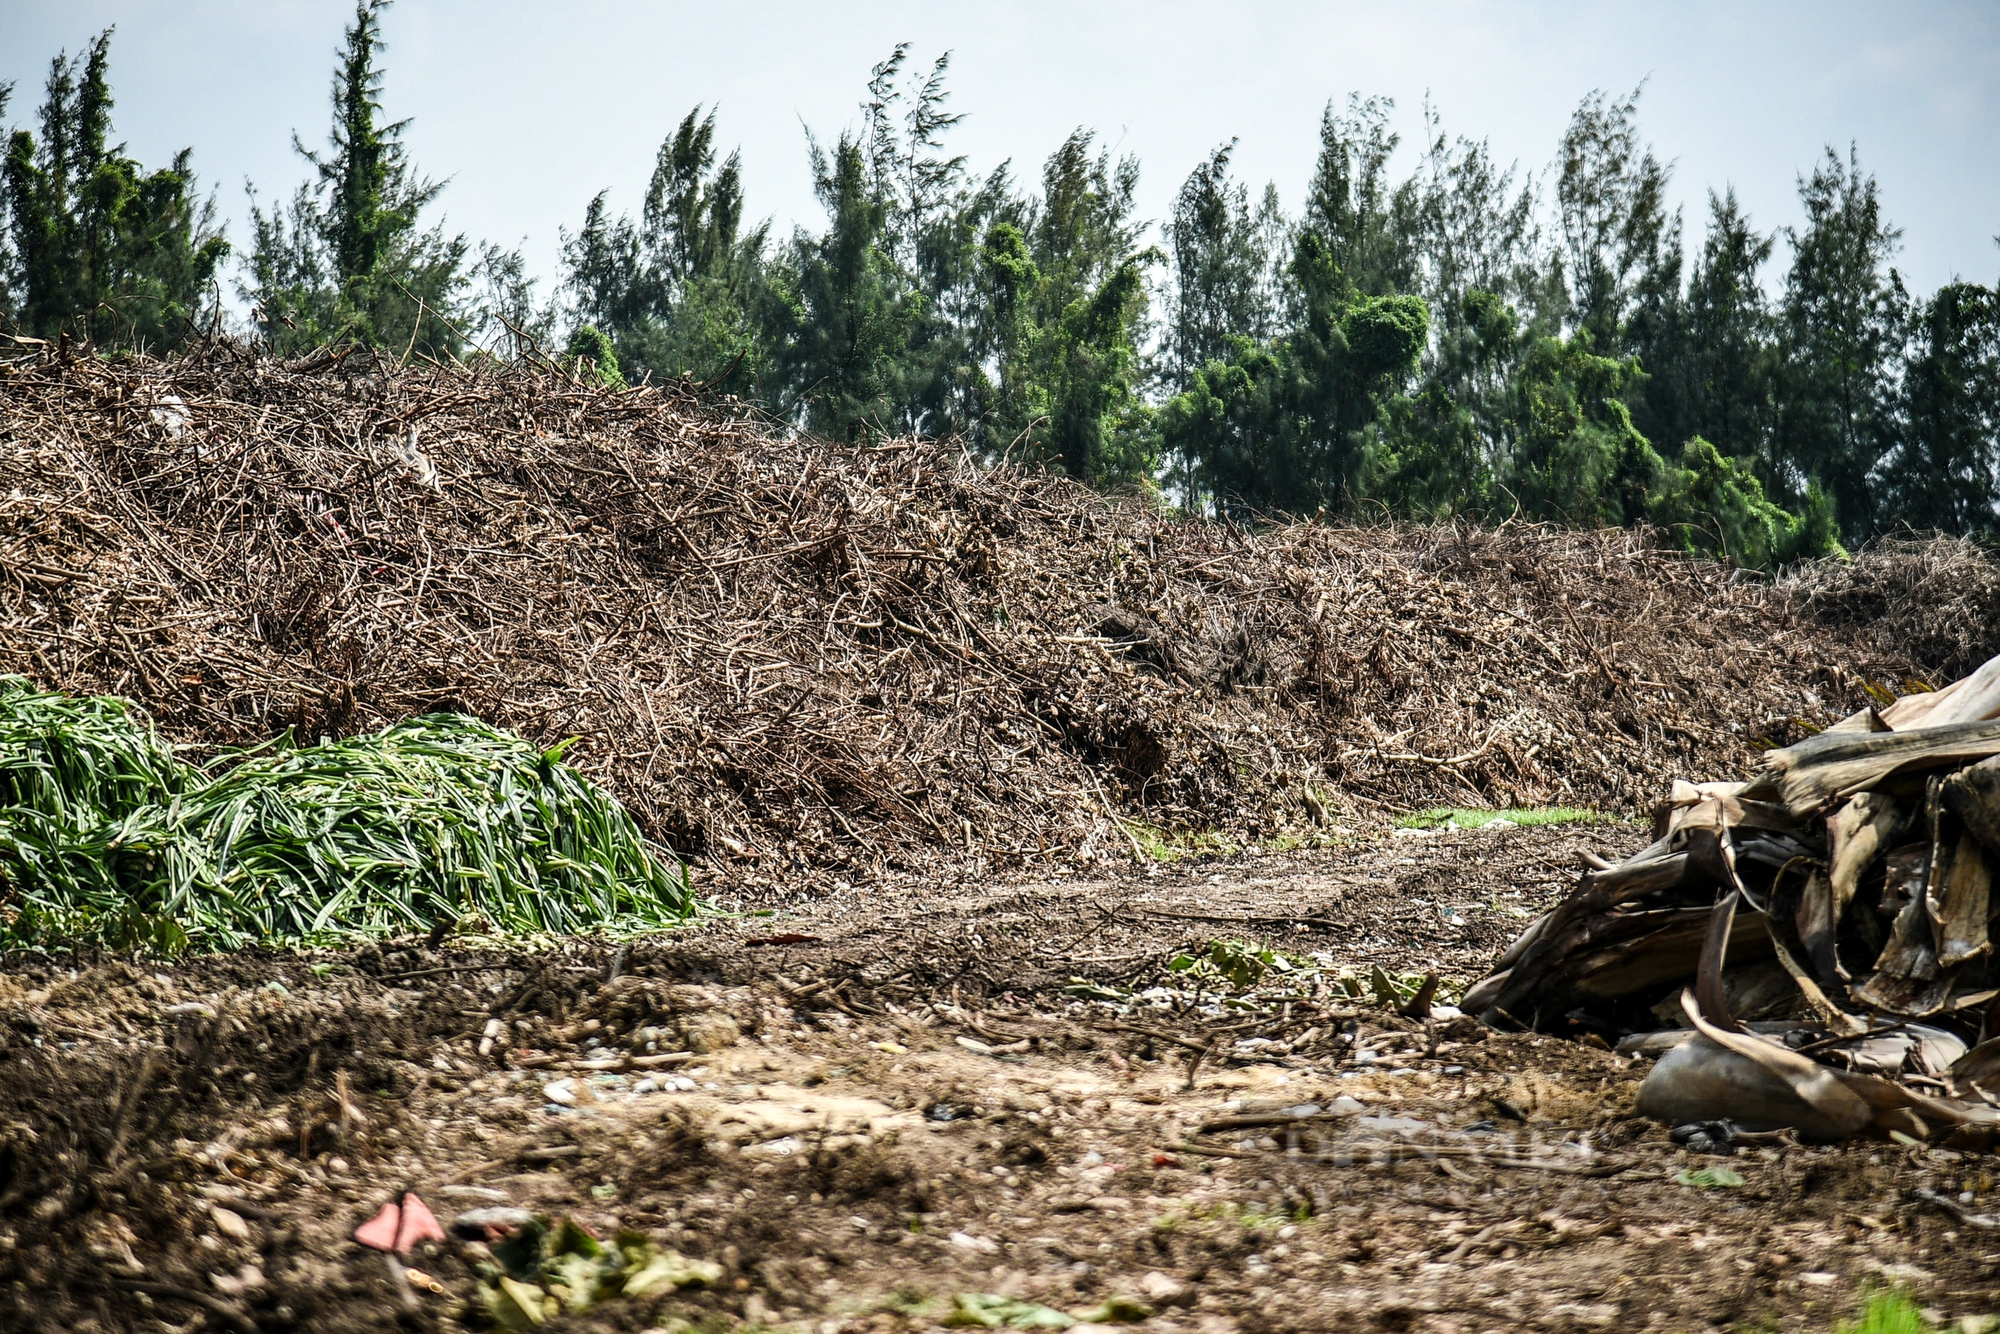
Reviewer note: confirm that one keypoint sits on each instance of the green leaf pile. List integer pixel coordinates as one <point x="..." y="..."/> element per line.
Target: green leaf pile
<point x="1709" y="1178"/>
<point x="548" y="1268"/>
<point x="105" y="836"/>
<point x="83" y="790"/>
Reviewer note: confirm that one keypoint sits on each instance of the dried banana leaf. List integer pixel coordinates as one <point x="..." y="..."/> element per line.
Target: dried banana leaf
<point x="1816" y="918"/>
<point x="1973" y="795"/>
<point x="1665" y="954"/>
<point x="1856" y="835"/>
<point x="1979" y="1067"/>
<point x="1912" y="997"/>
<point x="1907" y="980"/>
<point x="1865" y="720"/>
<point x="1960" y="902"/>
<point x="1796" y="904"/>
<point x="1834" y="766"/>
<point x="1920" y="1049"/>
<point x="1969" y="699"/>
<point x="1722" y="806"/>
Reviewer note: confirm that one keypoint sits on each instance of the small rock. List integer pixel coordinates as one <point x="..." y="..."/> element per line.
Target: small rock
<point x="1163" y="1288"/>
<point x="561" y="1092"/>
<point x="966" y="1241"/>
<point x="247" y="1278"/>
<point x="1594" y="1316"/>
<point x="475" y="1193"/>
<point x="229" y="1223"/>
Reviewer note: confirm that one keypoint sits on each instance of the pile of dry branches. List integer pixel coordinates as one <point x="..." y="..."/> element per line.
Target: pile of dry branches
<point x="805" y="661"/>
<point x="1934" y="598"/>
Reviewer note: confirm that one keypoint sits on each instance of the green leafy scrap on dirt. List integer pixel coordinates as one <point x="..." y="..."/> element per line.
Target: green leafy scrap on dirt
<point x="1151" y="842"/>
<point x="1709" y="1178"/>
<point x="547" y="1268"/>
<point x="1238" y="973"/>
<point x="106" y="836"/>
<point x="1238" y="964"/>
<point x="1116" y="1311"/>
<point x="985" y="1310"/>
<point x="1455" y="817"/>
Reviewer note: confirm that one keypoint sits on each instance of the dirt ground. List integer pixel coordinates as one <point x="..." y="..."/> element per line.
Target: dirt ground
<point x="862" y="1108"/>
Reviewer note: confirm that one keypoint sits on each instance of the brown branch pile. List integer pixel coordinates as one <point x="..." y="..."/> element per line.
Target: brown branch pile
<point x="804" y="662"/>
<point x="1935" y="599"/>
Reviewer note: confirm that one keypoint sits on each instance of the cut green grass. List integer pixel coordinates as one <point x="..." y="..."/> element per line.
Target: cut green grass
<point x="438" y="819"/>
<point x="83" y="783"/>
<point x="1458" y="817"/>
<point x="105" y="837"/>
<point x="1890" y="1312"/>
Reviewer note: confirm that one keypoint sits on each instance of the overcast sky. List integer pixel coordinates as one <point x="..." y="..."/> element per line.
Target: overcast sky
<point x="530" y="108"/>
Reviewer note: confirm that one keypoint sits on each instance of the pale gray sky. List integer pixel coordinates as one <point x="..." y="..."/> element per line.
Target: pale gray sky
<point x="531" y="107"/>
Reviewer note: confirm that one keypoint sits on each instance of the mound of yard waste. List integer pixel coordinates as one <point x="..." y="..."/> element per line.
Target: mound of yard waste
<point x="1850" y="880"/>
<point x="801" y="661"/>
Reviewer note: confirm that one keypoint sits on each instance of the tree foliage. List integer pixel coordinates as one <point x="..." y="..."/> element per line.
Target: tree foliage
<point x="100" y="248"/>
<point x="346" y="258"/>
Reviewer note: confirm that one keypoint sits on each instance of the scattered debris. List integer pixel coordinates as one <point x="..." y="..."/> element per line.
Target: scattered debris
<point x="1709" y="1178"/>
<point x="401" y="1226"/>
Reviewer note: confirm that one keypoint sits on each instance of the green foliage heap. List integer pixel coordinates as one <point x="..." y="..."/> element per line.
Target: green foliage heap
<point x="439" y="820"/>
<point x="84" y="787"/>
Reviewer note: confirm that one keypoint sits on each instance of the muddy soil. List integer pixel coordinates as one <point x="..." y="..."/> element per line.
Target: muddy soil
<point x="863" y="1108"/>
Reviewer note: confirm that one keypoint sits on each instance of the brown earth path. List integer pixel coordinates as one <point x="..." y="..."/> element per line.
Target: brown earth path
<point x="882" y="1107"/>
